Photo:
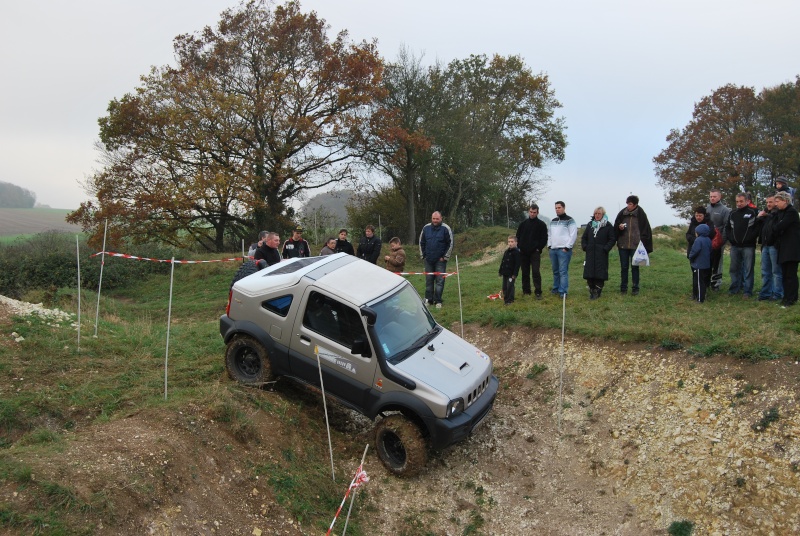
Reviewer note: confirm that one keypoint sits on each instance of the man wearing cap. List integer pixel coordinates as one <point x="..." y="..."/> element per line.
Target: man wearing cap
<point x="782" y="185"/>
<point x="296" y="246"/>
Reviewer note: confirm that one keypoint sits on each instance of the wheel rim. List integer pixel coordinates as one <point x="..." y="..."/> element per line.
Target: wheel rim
<point x="248" y="363"/>
<point x="394" y="449"/>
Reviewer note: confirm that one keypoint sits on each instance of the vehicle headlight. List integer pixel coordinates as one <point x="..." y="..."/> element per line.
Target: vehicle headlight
<point x="454" y="407"/>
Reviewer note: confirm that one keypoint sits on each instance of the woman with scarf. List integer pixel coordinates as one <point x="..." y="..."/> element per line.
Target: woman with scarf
<point x="597" y="241"/>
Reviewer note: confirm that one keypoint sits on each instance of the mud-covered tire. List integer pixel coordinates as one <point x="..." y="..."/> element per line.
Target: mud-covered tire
<point x="400" y="445"/>
<point x="248" y="268"/>
<point x="247" y="361"/>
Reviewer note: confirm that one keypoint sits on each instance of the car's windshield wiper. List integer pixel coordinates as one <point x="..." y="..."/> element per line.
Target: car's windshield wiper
<point x="419" y="343"/>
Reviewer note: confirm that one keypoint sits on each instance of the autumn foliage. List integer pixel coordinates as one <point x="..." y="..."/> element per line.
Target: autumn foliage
<point x="737" y="140"/>
<point x="256" y="111"/>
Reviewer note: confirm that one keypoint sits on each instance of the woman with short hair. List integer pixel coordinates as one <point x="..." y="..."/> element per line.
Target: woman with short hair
<point x="786" y="231"/>
<point x="597" y="241"/>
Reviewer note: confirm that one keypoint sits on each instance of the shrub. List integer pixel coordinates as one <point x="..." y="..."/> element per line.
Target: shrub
<point x="49" y="260"/>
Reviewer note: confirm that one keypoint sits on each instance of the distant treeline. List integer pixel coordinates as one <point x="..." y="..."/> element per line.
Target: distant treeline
<point x="13" y="196"/>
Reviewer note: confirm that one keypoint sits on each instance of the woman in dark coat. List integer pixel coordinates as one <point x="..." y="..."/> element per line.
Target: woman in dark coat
<point x="700" y="216"/>
<point x="786" y="232"/>
<point x="597" y="240"/>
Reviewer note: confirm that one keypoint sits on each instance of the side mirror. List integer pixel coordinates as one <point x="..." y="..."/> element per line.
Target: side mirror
<point x="361" y="347"/>
<point x="370" y="314"/>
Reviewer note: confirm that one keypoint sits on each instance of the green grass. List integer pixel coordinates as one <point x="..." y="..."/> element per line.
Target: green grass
<point x="662" y="315"/>
<point x="54" y="386"/>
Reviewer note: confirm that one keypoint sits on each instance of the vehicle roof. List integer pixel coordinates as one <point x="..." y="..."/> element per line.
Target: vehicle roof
<point x="343" y="275"/>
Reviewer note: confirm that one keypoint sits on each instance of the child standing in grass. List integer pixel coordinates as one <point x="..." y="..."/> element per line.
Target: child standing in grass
<point x="509" y="269"/>
<point x="396" y="259"/>
<point x="700" y="260"/>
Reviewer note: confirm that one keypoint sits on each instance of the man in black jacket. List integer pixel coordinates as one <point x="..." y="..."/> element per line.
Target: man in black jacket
<point x="531" y="240"/>
<point x="268" y="249"/>
<point x="742" y="230"/>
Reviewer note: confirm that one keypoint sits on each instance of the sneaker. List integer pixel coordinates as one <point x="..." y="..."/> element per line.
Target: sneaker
<point x="623" y="291"/>
<point x="764" y="298"/>
<point x="553" y="291"/>
<point x="635" y="292"/>
<point x="438" y="305"/>
<point x="538" y="296"/>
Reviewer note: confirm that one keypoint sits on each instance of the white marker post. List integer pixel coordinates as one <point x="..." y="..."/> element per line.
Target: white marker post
<point x="325" y="406"/>
<point x="78" y="253"/>
<point x="169" y="319"/>
<point x="100" y="283"/>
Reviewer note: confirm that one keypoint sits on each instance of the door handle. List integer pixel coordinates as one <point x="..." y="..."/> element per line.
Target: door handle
<point x="305" y="339"/>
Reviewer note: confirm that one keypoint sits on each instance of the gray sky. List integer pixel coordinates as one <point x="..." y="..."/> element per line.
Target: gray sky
<point x="626" y="72"/>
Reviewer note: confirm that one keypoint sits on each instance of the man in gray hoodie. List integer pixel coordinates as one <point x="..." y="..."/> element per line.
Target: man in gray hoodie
<point x="718" y="213"/>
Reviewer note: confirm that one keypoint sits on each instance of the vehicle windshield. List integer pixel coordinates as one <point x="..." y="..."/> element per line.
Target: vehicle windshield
<point x="403" y="324"/>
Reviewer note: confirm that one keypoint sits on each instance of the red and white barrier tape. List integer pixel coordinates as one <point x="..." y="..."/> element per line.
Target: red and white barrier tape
<point x="359" y="478"/>
<point x="446" y="274"/>
<point x="134" y="257"/>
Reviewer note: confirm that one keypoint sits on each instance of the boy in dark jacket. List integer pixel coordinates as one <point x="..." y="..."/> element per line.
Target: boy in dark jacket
<point x="700" y="260"/>
<point x="509" y="269"/>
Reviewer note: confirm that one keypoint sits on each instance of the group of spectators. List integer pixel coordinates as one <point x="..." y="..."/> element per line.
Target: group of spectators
<point x="559" y="237"/>
<point x="776" y="229"/>
<point x="435" y="246"/>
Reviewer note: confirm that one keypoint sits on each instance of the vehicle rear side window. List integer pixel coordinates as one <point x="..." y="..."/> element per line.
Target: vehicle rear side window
<point x="333" y="319"/>
<point x="279" y="306"/>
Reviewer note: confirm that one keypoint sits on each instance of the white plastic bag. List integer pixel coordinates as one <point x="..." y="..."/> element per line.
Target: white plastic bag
<point x="641" y="258"/>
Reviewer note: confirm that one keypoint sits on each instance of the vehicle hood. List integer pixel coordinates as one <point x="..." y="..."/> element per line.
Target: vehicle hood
<point x="453" y="365"/>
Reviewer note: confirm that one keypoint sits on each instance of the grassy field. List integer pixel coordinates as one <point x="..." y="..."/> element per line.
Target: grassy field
<point x="119" y="373"/>
<point x="23" y="222"/>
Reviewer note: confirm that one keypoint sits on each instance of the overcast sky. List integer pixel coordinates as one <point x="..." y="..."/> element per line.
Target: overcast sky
<point x="626" y="72"/>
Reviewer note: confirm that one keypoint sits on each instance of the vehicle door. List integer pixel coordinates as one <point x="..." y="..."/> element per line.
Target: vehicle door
<point x="327" y="327"/>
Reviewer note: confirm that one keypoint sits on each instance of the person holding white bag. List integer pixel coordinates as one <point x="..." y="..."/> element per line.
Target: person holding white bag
<point x="632" y="227"/>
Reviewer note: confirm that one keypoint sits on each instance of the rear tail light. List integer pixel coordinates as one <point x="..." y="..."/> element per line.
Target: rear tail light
<point x="228" y="307"/>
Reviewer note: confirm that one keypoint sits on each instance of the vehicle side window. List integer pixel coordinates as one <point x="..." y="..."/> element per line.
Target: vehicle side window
<point x="333" y="319"/>
<point x="279" y="306"/>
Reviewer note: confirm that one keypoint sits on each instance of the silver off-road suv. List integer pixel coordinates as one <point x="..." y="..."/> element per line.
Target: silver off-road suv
<point x="380" y="351"/>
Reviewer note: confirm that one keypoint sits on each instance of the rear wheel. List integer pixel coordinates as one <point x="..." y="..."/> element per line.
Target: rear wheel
<point x="400" y="445"/>
<point x="247" y="361"/>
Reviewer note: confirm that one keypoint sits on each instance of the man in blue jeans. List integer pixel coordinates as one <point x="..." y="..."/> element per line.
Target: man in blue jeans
<point x="771" y="276"/>
<point x="435" y="246"/>
<point x="742" y="230"/>
<point x="561" y="236"/>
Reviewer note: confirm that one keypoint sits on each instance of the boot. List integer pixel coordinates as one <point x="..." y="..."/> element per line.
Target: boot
<point x="592" y="293"/>
<point x="598" y="291"/>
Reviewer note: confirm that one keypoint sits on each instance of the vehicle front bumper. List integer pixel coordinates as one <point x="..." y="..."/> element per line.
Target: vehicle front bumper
<point x="445" y="432"/>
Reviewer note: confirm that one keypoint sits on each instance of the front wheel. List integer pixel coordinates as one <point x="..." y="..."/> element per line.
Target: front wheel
<point x="247" y="361"/>
<point x="400" y="445"/>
